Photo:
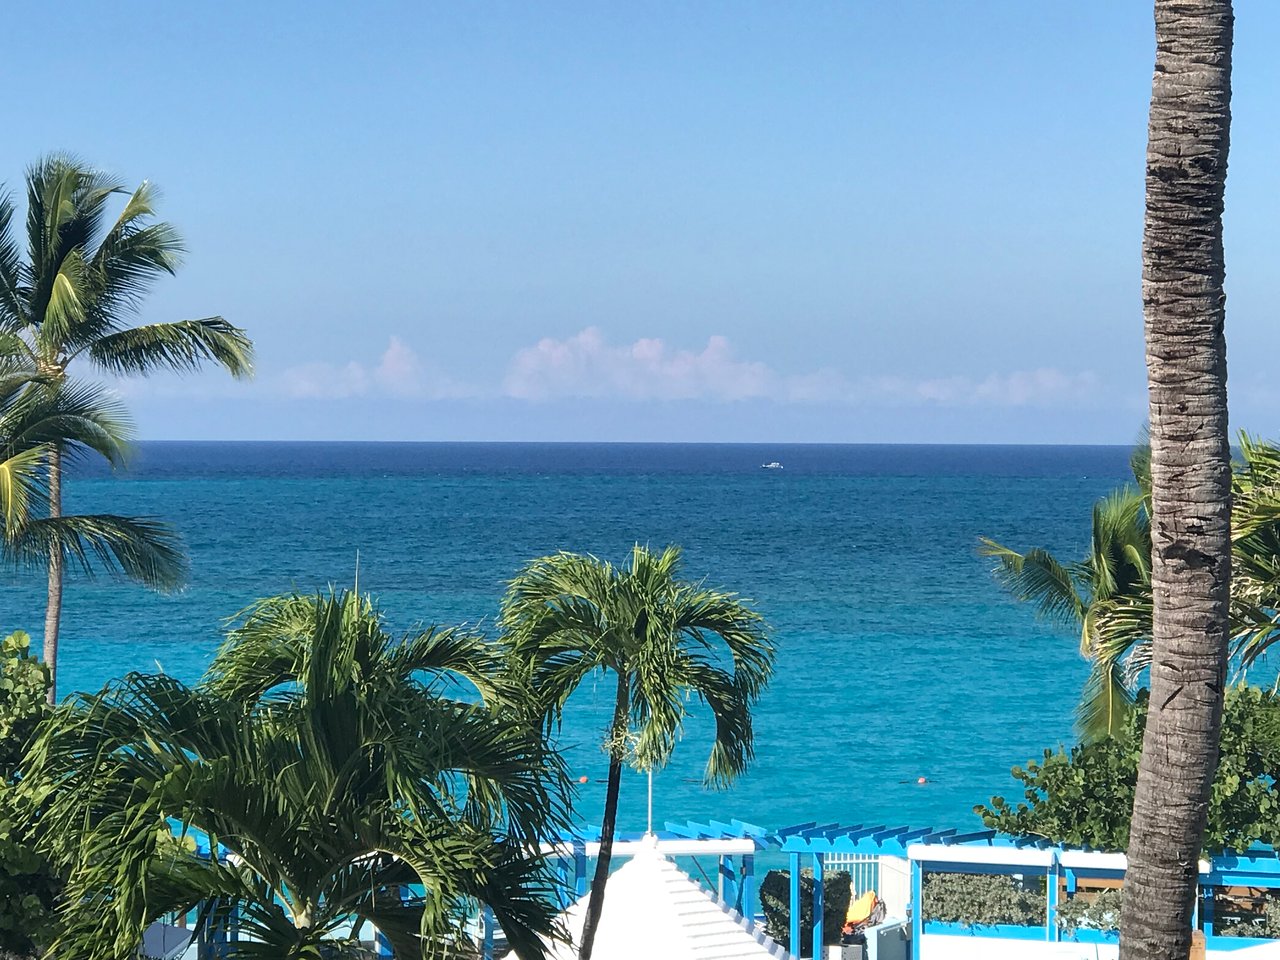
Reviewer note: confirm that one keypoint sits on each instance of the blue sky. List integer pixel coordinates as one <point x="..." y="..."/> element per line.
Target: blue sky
<point x="855" y="221"/>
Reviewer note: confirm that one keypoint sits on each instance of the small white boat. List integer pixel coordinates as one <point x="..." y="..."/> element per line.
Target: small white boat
<point x="771" y="465"/>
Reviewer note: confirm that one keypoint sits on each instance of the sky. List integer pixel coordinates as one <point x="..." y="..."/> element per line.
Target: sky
<point x="813" y="222"/>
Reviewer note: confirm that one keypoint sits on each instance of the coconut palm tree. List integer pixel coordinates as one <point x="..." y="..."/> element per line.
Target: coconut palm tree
<point x="1092" y="593"/>
<point x="1184" y="313"/>
<point x="72" y="294"/>
<point x="82" y="419"/>
<point x="569" y="616"/>
<point x="328" y="767"/>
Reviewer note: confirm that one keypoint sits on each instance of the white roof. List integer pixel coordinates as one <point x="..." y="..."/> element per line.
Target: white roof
<point x="653" y="910"/>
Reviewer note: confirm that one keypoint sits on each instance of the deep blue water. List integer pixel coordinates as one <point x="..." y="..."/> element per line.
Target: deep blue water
<point x="898" y="654"/>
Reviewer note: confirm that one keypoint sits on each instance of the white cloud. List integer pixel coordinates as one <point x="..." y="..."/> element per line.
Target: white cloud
<point x="399" y="372"/>
<point x="587" y="365"/>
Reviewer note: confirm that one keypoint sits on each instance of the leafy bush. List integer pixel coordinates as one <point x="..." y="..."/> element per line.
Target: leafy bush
<point x="775" y="901"/>
<point x="27" y="886"/>
<point x="981" y="900"/>
<point x="1098" y="912"/>
<point x="1083" y="797"/>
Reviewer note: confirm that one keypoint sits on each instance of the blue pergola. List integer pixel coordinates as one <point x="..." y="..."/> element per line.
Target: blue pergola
<point x="735" y="845"/>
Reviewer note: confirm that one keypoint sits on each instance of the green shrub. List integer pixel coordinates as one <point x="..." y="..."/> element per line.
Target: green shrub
<point x="775" y="901"/>
<point x="982" y="900"/>
<point x="1083" y="797"/>
<point x="27" y="886"/>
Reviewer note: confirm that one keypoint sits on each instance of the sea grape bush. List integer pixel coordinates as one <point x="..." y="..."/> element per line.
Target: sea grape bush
<point x="1083" y="797"/>
<point x="982" y="900"/>
<point x="1266" y="926"/>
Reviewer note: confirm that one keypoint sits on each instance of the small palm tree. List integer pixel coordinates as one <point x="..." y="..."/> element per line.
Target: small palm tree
<point x="332" y="766"/>
<point x="1107" y="594"/>
<point x="71" y="296"/>
<point x="1096" y="594"/>
<point x="567" y="616"/>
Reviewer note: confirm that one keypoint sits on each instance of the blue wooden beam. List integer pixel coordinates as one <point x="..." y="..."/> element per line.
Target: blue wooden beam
<point x="916" y="908"/>
<point x="579" y="868"/>
<point x="818" y="905"/>
<point x="969" y="837"/>
<point x="749" y="887"/>
<point x="794" y="932"/>
<point x="1053" y="881"/>
<point x="685" y="830"/>
<point x="796" y="828"/>
<point x="727" y="881"/>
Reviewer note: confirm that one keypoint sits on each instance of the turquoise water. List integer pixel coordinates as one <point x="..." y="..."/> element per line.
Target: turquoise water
<point x="898" y="655"/>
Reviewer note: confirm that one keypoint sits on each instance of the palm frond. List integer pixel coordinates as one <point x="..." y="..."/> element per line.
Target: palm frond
<point x="182" y="345"/>
<point x="142" y="549"/>
<point x="1037" y="578"/>
<point x="13" y="316"/>
<point x="76" y="416"/>
<point x="1116" y="628"/>
<point x="22" y="476"/>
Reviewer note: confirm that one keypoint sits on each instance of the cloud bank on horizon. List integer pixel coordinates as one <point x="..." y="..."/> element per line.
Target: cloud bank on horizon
<point x="587" y="366"/>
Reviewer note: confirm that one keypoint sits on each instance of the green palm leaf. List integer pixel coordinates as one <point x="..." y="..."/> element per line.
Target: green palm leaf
<point x="181" y="345"/>
<point x="142" y="549"/>
<point x="1038" y="578"/>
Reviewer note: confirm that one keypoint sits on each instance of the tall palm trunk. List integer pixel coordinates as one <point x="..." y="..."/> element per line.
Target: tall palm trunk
<point x="1184" y="309"/>
<point x="595" y="904"/>
<point x="53" y="610"/>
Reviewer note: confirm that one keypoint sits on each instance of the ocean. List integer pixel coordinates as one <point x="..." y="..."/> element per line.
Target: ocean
<point x="899" y="656"/>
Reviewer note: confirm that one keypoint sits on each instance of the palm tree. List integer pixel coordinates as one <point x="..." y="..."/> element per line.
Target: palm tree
<point x="1107" y="594"/>
<point x="333" y="768"/>
<point x="81" y="419"/>
<point x="72" y="296"/>
<point x="567" y="616"/>
<point x="1093" y="593"/>
<point x="1184" y="311"/>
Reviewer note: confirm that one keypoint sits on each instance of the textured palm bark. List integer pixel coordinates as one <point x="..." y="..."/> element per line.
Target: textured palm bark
<point x="1184" y="310"/>
<point x="53" y="609"/>
<point x="595" y="903"/>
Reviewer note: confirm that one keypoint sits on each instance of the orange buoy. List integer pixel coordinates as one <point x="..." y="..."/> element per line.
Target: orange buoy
<point x="583" y="779"/>
<point x="922" y="780"/>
